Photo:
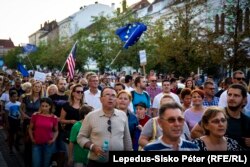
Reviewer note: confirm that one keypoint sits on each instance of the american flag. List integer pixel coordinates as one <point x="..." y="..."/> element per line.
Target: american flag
<point x="71" y="61"/>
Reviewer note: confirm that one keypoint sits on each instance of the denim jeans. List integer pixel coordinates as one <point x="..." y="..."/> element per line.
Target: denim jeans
<point x="41" y="154"/>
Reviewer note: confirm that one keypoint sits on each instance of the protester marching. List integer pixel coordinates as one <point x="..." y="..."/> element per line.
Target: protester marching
<point x="71" y="118"/>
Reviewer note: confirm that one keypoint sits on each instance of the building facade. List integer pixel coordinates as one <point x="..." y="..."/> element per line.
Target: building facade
<point x="83" y="19"/>
<point x="5" y="46"/>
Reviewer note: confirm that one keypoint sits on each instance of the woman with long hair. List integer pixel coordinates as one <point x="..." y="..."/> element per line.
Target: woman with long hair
<point x="29" y="105"/>
<point x="189" y="84"/>
<point x="70" y="110"/>
<point x="43" y="131"/>
<point x="51" y="90"/>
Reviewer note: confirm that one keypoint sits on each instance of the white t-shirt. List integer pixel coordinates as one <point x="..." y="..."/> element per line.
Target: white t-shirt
<point x="157" y="99"/>
<point x="5" y="97"/>
<point x="93" y="99"/>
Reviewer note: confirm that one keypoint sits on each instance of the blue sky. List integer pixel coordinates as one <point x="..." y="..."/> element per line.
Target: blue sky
<point x="21" y="18"/>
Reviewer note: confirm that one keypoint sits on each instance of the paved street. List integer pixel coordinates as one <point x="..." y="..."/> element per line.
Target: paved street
<point x="6" y="159"/>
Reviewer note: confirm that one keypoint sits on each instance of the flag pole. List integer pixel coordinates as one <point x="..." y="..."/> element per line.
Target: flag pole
<point x="68" y="56"/>
<point x="30" y="62"/>
<point x="124" y="46"/>
<point x="115" y="57"/>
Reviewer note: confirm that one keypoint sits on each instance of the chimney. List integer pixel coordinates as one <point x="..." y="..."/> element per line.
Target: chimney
<point x="113" y="6"/>
<point x="124" y="6"/>
<point x="118" y="11"/>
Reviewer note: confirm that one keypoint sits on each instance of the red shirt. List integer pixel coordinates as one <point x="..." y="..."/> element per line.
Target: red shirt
<point x="43" y="127"/>
<point x="143" y="121"/>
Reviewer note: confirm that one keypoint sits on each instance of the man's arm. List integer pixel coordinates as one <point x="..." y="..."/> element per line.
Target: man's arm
<point x="197" y="131"/>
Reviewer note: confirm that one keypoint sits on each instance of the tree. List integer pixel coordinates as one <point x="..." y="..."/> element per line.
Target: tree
<point x="178" y="40"/>
<point x="233" y="35"/>
<point x="13" y="57"/>
<point x="100" y="42"/>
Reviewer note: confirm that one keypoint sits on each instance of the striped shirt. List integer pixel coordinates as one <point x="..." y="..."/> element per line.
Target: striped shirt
<point x="159" y="145"/>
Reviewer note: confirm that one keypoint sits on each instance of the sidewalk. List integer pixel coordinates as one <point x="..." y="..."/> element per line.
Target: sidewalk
<point x="6" y="159"/>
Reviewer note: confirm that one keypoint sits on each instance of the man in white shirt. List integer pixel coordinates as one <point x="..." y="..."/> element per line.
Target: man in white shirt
<point x="128" y="83"/>
<point x="92" y="95"/>
<point x="165" y="90"/>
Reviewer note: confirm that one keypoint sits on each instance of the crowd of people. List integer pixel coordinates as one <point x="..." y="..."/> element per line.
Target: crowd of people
<point x="75" y="122"/>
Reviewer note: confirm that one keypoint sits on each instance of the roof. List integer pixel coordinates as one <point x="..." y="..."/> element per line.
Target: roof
<point x="139" y="5"/>
<point x="156" y="1"/>
<point x="7" y="43"/>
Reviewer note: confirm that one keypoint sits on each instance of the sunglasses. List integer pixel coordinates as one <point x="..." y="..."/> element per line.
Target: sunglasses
<point x="240" y="79"/>
<point x="109" y="125"/>
<point x="217" y="121"/>
<point x="79" y="92"/>
<point x="153" y="80"/>
<point x="173" y="119"/>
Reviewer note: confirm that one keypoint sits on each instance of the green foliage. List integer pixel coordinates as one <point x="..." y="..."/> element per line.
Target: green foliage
<point x="100" y="42"/>
<point x="232" y="39"/>
<point x="53" y="55"/>
<point x="13" y="57"/>
<point x="178" y="45"/>
<point x="176" y="42"/>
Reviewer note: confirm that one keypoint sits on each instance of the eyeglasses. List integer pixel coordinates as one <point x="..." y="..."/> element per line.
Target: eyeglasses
<point x="217" y="121"/>
<point x="153" y="80"/>
<point x="109" y="125"/>
<point x="109" y="95"/>
<point x="173" y="119"/>
<point x="79" y="92"/>
<point x="240" y="79"/>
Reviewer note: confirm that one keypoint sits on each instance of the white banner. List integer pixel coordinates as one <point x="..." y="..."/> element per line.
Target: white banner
<point x="40" y="76"/>
<point x="143" y="57"/>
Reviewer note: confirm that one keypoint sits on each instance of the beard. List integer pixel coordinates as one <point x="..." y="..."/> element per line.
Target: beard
<point x="62" y="90"/>
<point x="235" y="108"/>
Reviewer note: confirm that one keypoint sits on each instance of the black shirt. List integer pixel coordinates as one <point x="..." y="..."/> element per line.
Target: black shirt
<point x="59" y="101"/>
<point x="238" y="128"/>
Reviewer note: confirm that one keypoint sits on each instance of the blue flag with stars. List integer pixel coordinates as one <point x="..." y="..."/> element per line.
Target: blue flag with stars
<point x="29" y="48"/>
<point x="131" y="33"/>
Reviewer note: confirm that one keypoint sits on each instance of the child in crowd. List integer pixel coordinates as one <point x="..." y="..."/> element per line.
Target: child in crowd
<point x="14" y="116"/>
<point x="141" y="110"/>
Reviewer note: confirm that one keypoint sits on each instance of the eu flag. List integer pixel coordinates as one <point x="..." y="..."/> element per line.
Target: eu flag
<point x="22" y="70"/>
<point x="29" y="48"/>
<point x="131" y="33"/>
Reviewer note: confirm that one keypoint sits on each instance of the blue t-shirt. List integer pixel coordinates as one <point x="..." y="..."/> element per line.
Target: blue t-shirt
<point x="13" y="109"/>
<point x="138" y="98"/>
